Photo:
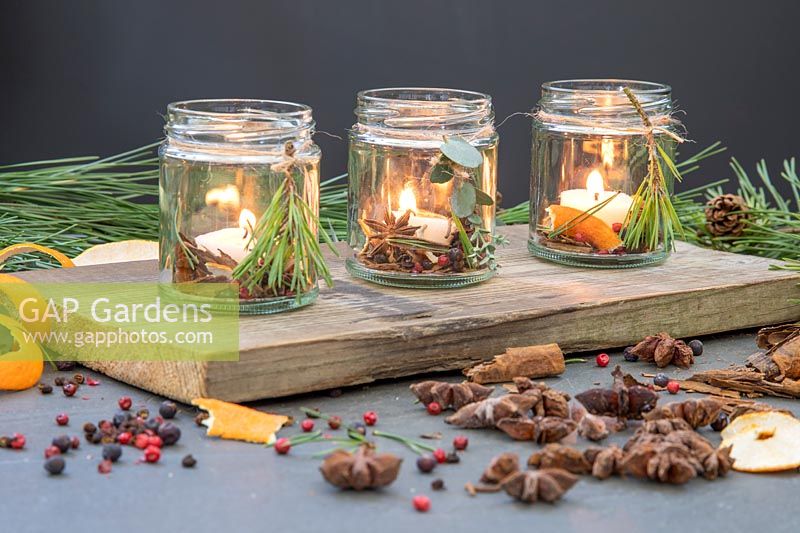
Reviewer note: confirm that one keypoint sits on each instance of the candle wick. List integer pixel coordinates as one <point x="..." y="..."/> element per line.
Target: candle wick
<point x="596" y="196"/>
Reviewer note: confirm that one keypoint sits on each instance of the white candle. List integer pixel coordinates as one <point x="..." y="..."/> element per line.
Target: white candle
<point x="231" y="241"/>
<point x="613" y="212"/>
<point x="432" y="227"/>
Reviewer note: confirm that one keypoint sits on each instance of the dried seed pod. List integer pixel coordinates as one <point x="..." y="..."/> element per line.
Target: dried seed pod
<point x="548" y="485"/>
<point x="663" y="350"/>
<point x="564" y="457"/>
<point x="486" y="413"/>
<point x="664" y="426"/>
<point x="500" y="467"/>
<point x="450" y="395"/>
<point x="621" y="400"/>
<point x="360" y="470"/>
<point x="541" y="429"/>
<point x="696" y="412"/>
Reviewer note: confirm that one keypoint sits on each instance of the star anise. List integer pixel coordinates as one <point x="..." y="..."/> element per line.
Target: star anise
<point x="606" y="462"/>
<point x="696" y="412"/>
<point x="565" y="457"/>
<point x="550" y="402"/>
<point x="661" y="461"/>
<point x="487" y="413"/>
<point x="541" y="429"/>
<point x="663" y="350"/>
<point x="379" y="232"/>
<point x="501" y="467"/>
<point x="450" y="395"/>
<point x="547" y="484"/>
<point x="360" y="470"/>
<point x="621" y="400"/>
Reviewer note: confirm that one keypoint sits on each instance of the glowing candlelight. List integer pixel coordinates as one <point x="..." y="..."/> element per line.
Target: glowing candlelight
<point x="230" y="241"/>
<point x="433" y="227"/>
<point x="613" y="212"/>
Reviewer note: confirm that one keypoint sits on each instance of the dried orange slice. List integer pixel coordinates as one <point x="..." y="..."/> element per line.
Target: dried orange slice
<point x="592" y="230"/>
<point x="764" y="441"/>
<point x="28" y="247"/>
<point x="237" y="422"/>
<point x="25" y="369"/>
<point x="117" y="252"/>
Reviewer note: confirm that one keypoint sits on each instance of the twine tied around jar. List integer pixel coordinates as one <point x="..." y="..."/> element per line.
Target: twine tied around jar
<point x="651" y="125"/>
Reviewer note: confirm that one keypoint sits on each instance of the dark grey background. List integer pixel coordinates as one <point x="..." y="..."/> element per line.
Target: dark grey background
<point x="91" y="77"/>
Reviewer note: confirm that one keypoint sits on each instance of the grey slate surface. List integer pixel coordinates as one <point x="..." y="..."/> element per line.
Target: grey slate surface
<point x="239" y="487"/>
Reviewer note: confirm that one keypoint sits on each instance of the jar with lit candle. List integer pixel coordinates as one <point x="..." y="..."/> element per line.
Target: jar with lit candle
<point x="221" y="164"/>
<point x="422" y="183"/>
<point x="590" y="157"/>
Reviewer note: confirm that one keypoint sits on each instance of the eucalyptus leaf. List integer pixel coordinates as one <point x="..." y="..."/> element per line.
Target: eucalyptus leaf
<point x="482" y="198"/>
<point x="463" y="200"/>
<point x="461" y="152"/>
<point x="475" y="220"/>
<point x="441" y="173"/>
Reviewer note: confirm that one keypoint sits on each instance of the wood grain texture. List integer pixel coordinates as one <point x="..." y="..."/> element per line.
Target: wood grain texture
<point x="359" y="332"/>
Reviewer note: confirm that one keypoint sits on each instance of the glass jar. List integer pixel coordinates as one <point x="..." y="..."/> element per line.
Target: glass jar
<point x="221" y="164"/>
<point x="422" y="182"/>
<point x="589" y="157"/>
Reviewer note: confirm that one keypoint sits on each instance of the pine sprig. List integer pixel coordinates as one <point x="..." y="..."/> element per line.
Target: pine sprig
<point x="73" y="203"/>
<point x="652" y="218"/>
<point x="285" y="254"/>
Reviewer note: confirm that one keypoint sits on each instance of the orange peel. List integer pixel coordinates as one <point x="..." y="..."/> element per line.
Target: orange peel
<point x="117" y="252"/>
<point x="593" y="230"/>
<point x="24" y="370"/>
<point x="16" y="291"/>
<point x="237" y="422"/>
<point x="29" y="247"/>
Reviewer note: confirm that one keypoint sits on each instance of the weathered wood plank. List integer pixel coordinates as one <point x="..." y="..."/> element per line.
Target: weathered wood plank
<point x="359" y="332"/>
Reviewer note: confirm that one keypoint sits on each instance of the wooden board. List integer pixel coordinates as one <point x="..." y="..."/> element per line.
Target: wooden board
<point x="360" y="332"/>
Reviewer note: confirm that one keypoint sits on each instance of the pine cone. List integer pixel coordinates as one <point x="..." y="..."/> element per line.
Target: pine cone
<point x="726" y="215"/>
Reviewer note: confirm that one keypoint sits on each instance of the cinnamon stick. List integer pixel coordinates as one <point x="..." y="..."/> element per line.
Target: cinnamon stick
<point x="529" y="361"/>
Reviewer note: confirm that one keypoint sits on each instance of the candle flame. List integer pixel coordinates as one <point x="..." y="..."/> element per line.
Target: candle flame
<point x="225" y="197"/>
<point x="408" y="202"/>
<point x="594" y="183"/>
<point x="247" y="220"/>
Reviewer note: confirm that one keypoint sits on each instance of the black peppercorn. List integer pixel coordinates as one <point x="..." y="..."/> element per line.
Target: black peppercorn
<point x="78" y="378"/>
<point x="189" y="461"/>
<point x="426" y="463"/>
<point x="65" y="366"/>
<point x="144" y="414"/>
<point x="452" y="457"/>
<point x="437" y="484"/>
<point x="426" y="265"/>
<point x="112" y="452"/>
<point x="58" y="381"/>
<point x="169" y="433"/>
<point x="360" y="428"/>
<point x="55" y="465"/>
<point x="697" y="347"/>
<point x="151" y="424"/>
<point x="63" y="443"/>
<point x="5" y="442"/>
<point x="630" y="357"/>
<point x="121" y="418"/>
<point x="380" y="258"/>
<point x="168" y="409"/>
<point x="720" y="423"/>
<point x="88" y="427"/>
<point x="95" y="438"/>
<point x="44" y="388"/>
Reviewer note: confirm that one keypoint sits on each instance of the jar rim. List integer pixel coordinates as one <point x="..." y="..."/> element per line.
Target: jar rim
<point x="415" y="95"/>
<point x="606" y="86"/>
<point x="248" y="108"/>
